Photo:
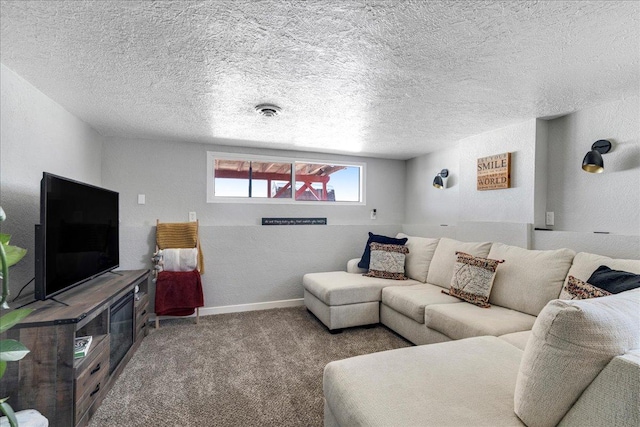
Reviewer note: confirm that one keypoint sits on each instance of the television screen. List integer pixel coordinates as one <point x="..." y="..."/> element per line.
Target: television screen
<point x="78" y="234"/>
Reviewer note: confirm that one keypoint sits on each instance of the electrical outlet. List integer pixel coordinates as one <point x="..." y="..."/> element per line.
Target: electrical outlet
<point x="192" y="217"/>
<point x="374" y="213"/>
<point x="549" y="218"/>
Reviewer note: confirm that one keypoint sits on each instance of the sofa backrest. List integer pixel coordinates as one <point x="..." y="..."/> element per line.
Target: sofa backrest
<point x="444" y="259"/>
<point x="570" y="344"/>
<point x="584" y="264"/>
<point x="418" y="260"/>
<point x="612" y="398"/>
<point x="528" y="279"/>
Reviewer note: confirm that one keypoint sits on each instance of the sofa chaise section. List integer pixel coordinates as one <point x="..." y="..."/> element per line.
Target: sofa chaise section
<point x="425" y="385"/>
<point x="344" y="299"/>
<point x="341" y="299"/>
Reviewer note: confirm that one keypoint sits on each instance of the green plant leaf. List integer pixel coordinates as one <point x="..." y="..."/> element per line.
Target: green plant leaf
<point x="3" y="367"/>
<point x="14" y="254"/>
<point x="8" y="411"/>
<point x="5" y="238"/>
<point x="12" y="350"/>
<point x="12" y="318"/>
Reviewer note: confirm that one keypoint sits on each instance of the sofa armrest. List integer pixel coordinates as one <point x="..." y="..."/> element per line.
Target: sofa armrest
<point x="352" y="266"/>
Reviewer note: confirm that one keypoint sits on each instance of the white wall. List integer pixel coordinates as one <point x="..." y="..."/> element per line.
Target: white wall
<point x="587" y="202"/>
<point x="515" y="204"/>
<point x="425" y="204"/>
<point x="245" y="261"/>
<point x="461" y="201"/>
<point x="37" y="135"/>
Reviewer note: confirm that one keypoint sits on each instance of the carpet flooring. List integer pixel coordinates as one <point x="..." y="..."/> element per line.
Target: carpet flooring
<point x="260" y="368"/>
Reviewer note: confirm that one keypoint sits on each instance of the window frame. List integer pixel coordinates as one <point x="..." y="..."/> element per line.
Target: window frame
<point x="212" y="198"/>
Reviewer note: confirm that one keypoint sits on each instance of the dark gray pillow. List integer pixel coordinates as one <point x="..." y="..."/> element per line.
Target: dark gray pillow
<point x="614" y="281"/>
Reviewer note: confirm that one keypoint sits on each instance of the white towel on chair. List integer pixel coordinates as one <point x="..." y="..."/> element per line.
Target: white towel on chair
<point x="180" y="259"/>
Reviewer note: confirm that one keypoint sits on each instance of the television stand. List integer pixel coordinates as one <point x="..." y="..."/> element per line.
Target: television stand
<point x="65" y="390"/>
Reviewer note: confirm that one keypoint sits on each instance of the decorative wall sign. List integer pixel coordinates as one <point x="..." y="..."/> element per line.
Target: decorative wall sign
<point x="294" y="221"/>
<point x="494" y="172"/>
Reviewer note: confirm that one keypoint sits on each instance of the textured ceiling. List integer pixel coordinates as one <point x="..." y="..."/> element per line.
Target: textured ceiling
<point x="389" y="79"/>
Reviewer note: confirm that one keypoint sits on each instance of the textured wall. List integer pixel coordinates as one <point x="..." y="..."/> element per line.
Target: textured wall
<point x="609" y="201"/>
<point x="515" y="204"/>
<point x="37" y="135"/>
<point x="245" y="262"/>
<point x="424" y="204"/>
<point x="461" y="201"/>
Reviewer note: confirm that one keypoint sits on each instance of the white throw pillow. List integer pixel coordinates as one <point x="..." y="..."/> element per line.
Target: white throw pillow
<point x="444" y="258"/>
<point x="570" y="343"/>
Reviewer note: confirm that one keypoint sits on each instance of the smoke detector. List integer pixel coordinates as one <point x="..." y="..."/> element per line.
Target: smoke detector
<point x="268" y="110"/>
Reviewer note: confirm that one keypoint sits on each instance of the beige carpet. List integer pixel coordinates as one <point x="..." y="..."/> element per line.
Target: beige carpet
<point x="261" y="368"/>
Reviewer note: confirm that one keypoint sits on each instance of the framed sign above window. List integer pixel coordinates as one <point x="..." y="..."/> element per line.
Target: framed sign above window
<point x="262" y="179"/>
<point x="494" y="172"/>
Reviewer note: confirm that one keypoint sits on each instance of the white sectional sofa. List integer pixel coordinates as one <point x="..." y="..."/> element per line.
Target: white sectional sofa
<point x="469" y="373"/>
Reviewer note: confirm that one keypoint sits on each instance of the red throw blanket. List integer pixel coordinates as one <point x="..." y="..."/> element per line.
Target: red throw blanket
<point x="178" y="293"/>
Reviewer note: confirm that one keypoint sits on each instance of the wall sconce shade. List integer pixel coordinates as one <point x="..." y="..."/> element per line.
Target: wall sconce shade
<point x="438" y="181"/>
<point x="592" y="162"/>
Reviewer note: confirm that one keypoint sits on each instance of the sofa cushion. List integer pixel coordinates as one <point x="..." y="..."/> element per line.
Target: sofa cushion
<point x="411" y="300"/>
<point x="459" y="321"/>
<point x="528" y="279"/>
<point x="577" y="289"/>
<point x="387" y="261"/>
<point x="340" y="287"/>
<point x="584" y="264"/>
<point x="571" y="342"/>
<point x="614" y="281"/>
<point x="366" y="255"/>
<point x="421" y="250"/>
<point x="434" y="384"/>
<point x="519" y="339"/>
<point x="444" y="258"/>
<point x="473" y="278"/>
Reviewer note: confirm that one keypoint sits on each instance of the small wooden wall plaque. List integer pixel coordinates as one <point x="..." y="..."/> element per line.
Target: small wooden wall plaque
<point x="494" y="172"/>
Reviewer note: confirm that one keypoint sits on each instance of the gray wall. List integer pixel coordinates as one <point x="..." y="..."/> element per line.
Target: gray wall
<point x="245" y="261"/>
<point x="37" y="135"/>
<point x="546" y="175"/>
<point x="609" y="201"/>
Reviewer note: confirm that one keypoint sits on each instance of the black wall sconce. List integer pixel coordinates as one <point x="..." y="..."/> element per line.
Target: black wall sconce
<point x="440" y="181"/>
<point x="593" y="160"/>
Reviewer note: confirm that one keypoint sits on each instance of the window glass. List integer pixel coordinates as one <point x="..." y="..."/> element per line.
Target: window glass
<point x="327" y="183"/>
<point x="255" y="179"/>
<point x="236" y="178"/>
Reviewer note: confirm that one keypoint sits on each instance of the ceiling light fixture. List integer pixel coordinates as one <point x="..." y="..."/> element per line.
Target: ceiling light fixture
<point x="268" y="110"/>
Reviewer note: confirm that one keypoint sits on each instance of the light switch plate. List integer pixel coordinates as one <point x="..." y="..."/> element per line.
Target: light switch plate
<point x="141" y="199"/>
<point x="549" y="218"/>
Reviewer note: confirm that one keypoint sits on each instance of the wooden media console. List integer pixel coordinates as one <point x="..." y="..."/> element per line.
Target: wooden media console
<point x="65" y="390"/>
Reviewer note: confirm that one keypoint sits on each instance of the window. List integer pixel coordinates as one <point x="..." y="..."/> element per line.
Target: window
<point x="275" y="180"/>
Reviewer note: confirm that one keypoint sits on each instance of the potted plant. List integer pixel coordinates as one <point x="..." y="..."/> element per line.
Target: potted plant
<point x="10" y="350"/>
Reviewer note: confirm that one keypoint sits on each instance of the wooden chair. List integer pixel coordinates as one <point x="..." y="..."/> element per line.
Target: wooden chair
<point x="178" y="235"/>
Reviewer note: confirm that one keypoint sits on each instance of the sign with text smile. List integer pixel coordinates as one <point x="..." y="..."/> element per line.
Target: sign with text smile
<point x="494" y="172"/>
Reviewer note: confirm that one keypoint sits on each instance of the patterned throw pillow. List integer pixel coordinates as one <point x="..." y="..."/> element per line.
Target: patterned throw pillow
<point x="473" y="278"/>
<point x="387" y="261"/>
<point x="578" y="289"/>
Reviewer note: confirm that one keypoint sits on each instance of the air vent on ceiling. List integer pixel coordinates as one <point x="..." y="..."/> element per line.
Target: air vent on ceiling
<point x="268" y="110"/>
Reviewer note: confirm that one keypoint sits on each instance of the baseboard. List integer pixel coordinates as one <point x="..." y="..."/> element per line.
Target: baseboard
<point x="207" y="311"/>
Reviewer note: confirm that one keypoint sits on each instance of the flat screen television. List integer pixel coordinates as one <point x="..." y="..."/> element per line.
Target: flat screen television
<point x="77" y="238"/>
